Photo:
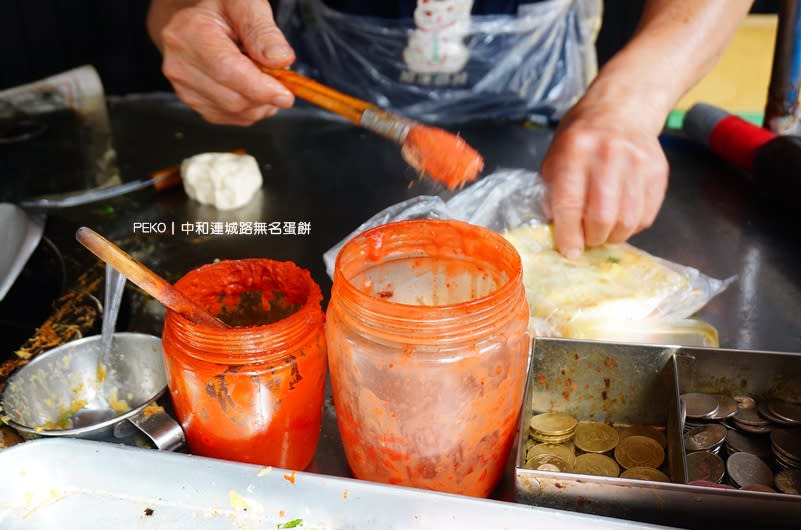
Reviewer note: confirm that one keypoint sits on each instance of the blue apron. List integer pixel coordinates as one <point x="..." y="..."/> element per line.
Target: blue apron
<point x="444" y="60"/>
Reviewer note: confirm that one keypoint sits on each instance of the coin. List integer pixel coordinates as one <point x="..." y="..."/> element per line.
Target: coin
<point x="708" y="484"/>
<point x="548" y="467"/>
<point x="764" y="410"/>
<point x="635" y="451"/>
<point x="705" y="466"/>
<point x="753" y="429"/>
<point x="544" y="438"/>
<point x="552" y="423"/>
<point x="645" y="473"/>
<point x="699" y="405"/>
<point x="783" y="458"/>
<point x="645" y="430"/>
<point x="727" y="407"/>
<point x="546" y="462"/>
<point x="787" y="411"/>
<point x="789" y="481"/>
<point x="750" y="417"/>
<point x="745" y="468"/>
<point x="705" y="438"/>
<point x="562" y="451"/>
<point x="737" y="441"/>
<point x="788" y="442"/>
<point x="758" y="487"/>
<point x="745" y="402"/>
<point x="596" y="464"/>
<point x="593" y="437"/>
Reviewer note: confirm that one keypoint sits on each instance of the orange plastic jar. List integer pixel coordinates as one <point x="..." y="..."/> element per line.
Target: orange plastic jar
<point x="253" y="393"/>
<point x="428" y="351"/>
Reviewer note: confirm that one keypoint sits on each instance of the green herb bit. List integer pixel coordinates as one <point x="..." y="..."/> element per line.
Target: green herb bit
<point x="613" y="259"/>
<point x="294" y="523"/>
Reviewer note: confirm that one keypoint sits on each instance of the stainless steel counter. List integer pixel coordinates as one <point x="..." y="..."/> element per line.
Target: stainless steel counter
<point x="333" y="176"/>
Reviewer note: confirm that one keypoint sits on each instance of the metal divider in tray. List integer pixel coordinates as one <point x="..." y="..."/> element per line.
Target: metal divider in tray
<point x="628" y="387"/>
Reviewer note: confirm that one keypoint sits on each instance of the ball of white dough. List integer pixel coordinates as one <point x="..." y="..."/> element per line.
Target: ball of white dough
<point x="223" y="180"/>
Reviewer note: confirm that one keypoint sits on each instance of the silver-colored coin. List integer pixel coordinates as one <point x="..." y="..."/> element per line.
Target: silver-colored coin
<point x="758" y="487"/>
<point x="785" y="463"/>
<point x="704" y="439"/>
<point x="764" y="410"/>
<point x="750" y="417"/>
<point x="789" y="481"/>
<point x="727" y="407"/>
<point x="787" y="411"/>
<point x="791" y="459"/>
<point x="737" y="441"/>
<point x="787" y="441"/>
<point x="699" y="405"/>
<point x="753" y="429"/>
<point x="705" y="466"/>
<point x="745" y="468"/>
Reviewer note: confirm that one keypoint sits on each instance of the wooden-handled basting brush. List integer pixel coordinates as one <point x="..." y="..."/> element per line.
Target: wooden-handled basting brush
<point x="444" y="156"/>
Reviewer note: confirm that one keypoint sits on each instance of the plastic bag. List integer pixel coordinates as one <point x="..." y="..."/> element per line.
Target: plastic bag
<point x="444" y="64"/>
<point x="611" y="292"/>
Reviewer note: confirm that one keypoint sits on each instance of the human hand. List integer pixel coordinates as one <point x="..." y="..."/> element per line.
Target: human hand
<point x="606" y="175"/>
<point x="209" y="48"/>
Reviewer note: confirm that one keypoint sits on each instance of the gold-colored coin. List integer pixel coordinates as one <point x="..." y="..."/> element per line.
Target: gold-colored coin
<point x="645" y="473"/>
<point x="595" y="464"/>
<point x="593" y="437"/>
<point x="552" y="423"/>
<point x="548" y="439"/>
<point x="564" y="452"/>
<point x="639" y="451"/>
<point x="546" y="462"/>
<point x="567" y="445"/>
<point x="645" y="430"/>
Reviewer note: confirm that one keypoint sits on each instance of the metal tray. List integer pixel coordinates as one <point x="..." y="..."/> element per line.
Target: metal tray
<point x="83" y="485"/>
<point x="630" y="384"/>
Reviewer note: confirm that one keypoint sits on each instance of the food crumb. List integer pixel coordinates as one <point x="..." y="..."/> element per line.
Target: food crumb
<point x="263" y="471"/>
<point x="345" y="494"/>
<point x="290" y="477"/>
<point x="148" y="512"/>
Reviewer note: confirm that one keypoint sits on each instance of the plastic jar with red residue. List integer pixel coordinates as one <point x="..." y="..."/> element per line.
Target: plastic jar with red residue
<point x="428" y="350"/>
<point x="253" y="393"/>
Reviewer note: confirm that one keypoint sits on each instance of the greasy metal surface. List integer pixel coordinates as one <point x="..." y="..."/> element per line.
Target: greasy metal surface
<point x="334" y="176"/>
<point x="699" y="370"/>
<point x="758" y="374"/>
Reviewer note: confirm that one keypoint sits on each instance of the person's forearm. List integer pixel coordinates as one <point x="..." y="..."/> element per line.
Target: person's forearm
<point x="676" y="43"/>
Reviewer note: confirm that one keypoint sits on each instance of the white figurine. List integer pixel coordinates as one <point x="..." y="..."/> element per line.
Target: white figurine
<point x="437" y="45"/>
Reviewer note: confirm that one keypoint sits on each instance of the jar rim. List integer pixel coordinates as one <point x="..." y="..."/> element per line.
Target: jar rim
<point x="239" y="345"/>
<point x="367" y="246"/>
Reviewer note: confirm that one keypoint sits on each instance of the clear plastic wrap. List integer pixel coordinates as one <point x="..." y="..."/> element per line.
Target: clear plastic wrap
<point x="612" y="292"/>
<point x="444" y="65"/>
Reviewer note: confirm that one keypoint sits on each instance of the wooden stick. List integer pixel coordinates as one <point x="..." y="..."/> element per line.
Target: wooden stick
<point x="149" y="281"/>
<point x="346" y="106"/>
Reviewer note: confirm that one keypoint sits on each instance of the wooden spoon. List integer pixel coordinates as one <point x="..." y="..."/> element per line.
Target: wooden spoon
<point x="149" y="281"/>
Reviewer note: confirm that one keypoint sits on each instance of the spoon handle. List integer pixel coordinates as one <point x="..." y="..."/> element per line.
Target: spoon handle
<point x="146" y="279"/>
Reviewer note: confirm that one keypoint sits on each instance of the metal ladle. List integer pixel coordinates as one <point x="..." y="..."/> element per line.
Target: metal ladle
<point x="115" y="287"/>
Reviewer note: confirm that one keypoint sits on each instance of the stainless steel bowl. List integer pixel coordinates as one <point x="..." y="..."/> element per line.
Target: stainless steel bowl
<point x="68" y="392"/>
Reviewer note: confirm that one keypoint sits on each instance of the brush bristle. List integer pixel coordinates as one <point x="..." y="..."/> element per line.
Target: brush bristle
<point x="443" y="156"/>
